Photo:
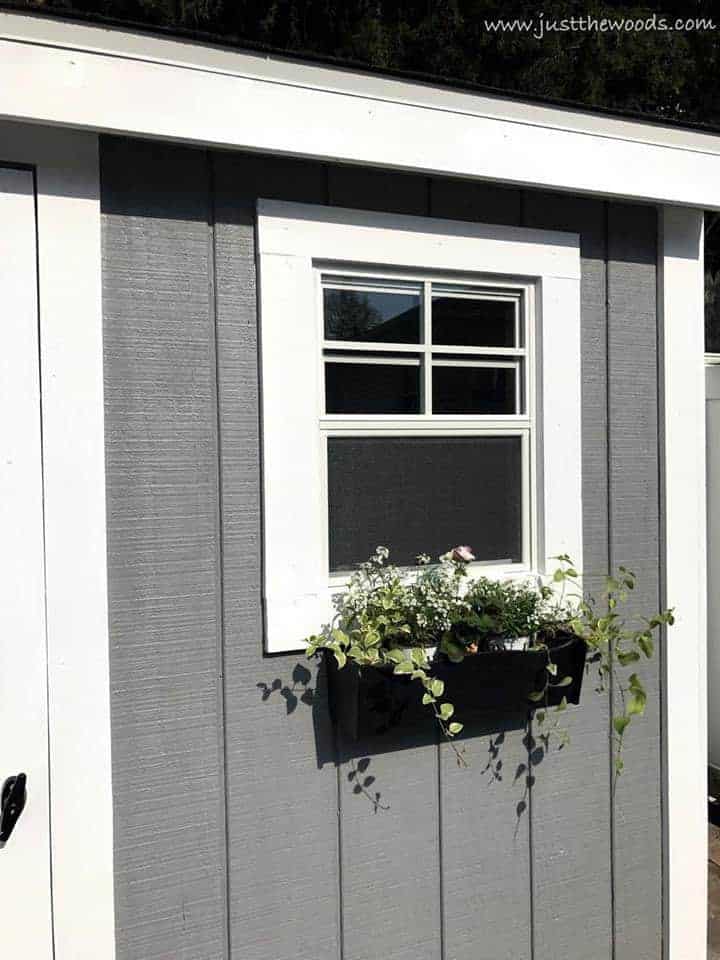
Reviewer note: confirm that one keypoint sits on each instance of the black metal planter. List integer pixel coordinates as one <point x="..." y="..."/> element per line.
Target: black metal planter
<point x="371" y="701"/>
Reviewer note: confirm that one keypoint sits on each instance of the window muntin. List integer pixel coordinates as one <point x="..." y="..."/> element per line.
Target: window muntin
<point x="413" y="429"/>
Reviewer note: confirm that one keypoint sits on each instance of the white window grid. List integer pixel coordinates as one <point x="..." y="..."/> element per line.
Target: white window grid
<point x="522" y="357"/>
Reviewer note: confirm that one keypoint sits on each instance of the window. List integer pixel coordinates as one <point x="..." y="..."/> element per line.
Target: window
<point x="423" y="380"/>
<point x="421" y="387"/>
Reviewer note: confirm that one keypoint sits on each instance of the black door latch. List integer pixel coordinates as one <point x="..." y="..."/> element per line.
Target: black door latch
<point x="12" y="804"/>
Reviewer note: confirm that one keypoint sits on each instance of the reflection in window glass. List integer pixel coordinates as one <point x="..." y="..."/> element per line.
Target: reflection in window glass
<point x="470" y="322"/>
<point x="372" y="316"/>
<point x="372" y="388"/>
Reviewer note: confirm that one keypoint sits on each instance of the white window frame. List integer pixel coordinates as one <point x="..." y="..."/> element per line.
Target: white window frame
<point x="297" y="243"/>
<point x="429" y="423"/>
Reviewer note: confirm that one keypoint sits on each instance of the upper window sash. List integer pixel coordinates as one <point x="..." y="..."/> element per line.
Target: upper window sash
<point x="447" y="378"/>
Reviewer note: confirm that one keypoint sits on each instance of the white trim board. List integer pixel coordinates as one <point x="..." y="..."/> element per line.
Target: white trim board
<point x="293" y="240"/>
<point x="108" y="80"/>
<point x="69" y="264"/>
<point x="25" y="860"/>
<point x="681" y="299"/>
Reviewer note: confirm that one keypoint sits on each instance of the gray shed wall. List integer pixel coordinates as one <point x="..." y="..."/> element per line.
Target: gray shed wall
<point x="237" y="829"/>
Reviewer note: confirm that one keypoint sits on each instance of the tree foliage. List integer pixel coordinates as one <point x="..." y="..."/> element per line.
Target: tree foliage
<point x="669" y="73"/>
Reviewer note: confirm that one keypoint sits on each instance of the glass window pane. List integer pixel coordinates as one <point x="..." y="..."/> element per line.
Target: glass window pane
<point x="372" y="388"/>
<point x="712" y="313"/>
<point x="372" y="316"/>
<point x="469" y="322"/>
<point x="424" y="494"/>
<point x="488" y="390"/>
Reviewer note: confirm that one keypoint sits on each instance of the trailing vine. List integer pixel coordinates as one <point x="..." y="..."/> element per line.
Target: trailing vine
<point x="401" y="621"/>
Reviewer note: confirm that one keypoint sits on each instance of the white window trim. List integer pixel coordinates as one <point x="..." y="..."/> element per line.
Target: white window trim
<point x="293" y="240"/>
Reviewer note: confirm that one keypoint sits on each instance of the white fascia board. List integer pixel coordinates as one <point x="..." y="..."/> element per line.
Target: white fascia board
<point x="106" y="80"/>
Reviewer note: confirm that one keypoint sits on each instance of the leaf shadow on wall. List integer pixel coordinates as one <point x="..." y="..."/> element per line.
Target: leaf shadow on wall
<point x="298" y="692"/>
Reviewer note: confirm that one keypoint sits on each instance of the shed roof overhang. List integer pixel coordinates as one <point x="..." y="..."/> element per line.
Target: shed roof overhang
<point x="91" y="77"/>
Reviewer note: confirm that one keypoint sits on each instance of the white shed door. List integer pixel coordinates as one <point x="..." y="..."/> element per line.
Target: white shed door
<point x="25" y="899"/>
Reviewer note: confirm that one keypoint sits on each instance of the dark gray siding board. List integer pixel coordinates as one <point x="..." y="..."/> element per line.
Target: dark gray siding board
<point x="572" y="889"/>
<point x="286" y="858"/>
<point x="481" y="202"/>
<point x="390" y="875"/>
<point x="368" y="189"/>
<point x="485" y="834"/>
<point x="162" y="555"/>
<point x="634" y="528"/>
<point x="282" y="809"/>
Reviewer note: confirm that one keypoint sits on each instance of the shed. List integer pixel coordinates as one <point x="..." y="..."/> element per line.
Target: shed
<point x="190" y="460"/>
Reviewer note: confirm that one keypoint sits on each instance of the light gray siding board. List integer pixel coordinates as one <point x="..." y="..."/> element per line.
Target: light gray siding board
<point x="162" y="555"/>
<point x="485" y="835"/>
<point x="634" y="525"/>
<point x="390" y="858"/>
<point x="485" y="844"/>
<point x="443" y="868"/>
<point x="571" y="796"/>
<point x="282" y="809"/>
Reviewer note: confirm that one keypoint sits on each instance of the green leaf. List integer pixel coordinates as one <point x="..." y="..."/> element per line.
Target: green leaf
<point x="540" y="716"/>
<point x="636" y="706"/>
<point x="562" y="706"/>
<point x="437" y="688"/>
<point x="446" y="710"/>
<point x="645" y="642"/>
<point x="340" y="637"/>
<point x="396" y="655"/>
<point x="355" y="652"/>
<point x="404" y="667"/>
<point x="565" y="682"/>
<point x="628" y="656"/>
<point x="427" y="699"/>
<point x="536" y="696"/>
<point x="621" y="724"/>
<point x="340" y="657"/>
<point x="455" y="727"/>
<point x="551" y="668"/>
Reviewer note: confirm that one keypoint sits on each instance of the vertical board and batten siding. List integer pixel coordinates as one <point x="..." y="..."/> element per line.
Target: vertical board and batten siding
<point x="239" y="833"/>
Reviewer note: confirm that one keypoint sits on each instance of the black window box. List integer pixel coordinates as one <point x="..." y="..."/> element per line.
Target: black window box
<point x="372" y="700"/>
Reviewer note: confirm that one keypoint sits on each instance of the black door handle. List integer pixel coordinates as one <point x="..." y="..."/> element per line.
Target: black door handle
<point x="12" y="804"/>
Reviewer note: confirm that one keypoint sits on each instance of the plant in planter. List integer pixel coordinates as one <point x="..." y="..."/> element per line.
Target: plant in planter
<point x="488" y="644"/>
<point x="616" y="646"/>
